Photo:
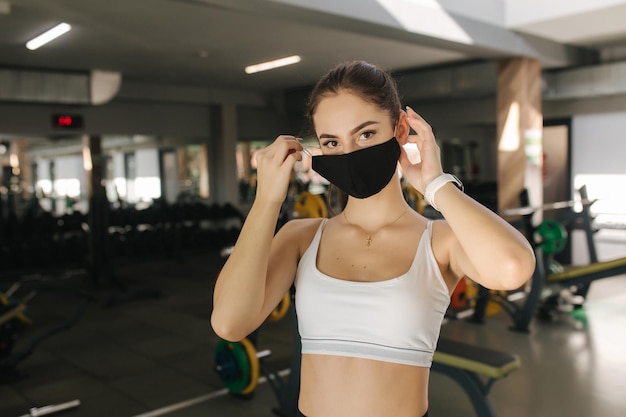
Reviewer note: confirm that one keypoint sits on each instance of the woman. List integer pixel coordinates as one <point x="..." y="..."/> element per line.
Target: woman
<point x="372" y="283"/>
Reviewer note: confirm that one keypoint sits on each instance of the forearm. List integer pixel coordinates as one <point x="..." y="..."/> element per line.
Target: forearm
<point x="240" y="288"/>
<point x="500" y="256"/>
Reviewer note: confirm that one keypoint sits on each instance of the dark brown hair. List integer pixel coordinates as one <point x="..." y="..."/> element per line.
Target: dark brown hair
<point x="366" y="80"/>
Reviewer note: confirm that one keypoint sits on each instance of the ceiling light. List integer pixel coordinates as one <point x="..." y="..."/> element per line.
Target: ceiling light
<point x="48" y="36"/>
<point x="264" y="66"/>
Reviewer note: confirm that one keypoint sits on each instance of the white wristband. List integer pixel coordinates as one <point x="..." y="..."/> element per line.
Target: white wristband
<point x="435" y="184"/>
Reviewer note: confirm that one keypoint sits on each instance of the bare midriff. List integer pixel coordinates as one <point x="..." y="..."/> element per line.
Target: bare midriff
<point x="345" y="387"/>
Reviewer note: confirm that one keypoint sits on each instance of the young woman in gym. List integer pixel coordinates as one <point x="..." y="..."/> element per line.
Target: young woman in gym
<point x="372" y="283"/>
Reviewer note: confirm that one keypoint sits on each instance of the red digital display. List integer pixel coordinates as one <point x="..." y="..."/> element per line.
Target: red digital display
<point x="67" y="121"/>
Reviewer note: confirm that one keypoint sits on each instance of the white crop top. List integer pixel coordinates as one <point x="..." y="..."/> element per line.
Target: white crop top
<point x="396" y="320"/>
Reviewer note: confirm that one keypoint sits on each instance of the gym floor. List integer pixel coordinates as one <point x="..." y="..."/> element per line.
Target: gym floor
<point x="154" y="356"/>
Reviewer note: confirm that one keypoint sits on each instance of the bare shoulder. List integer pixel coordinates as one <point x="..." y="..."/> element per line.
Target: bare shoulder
<point x="299" y="232"/>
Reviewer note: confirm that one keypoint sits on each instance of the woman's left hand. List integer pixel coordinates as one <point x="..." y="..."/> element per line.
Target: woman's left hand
<point x="429" y="166"/>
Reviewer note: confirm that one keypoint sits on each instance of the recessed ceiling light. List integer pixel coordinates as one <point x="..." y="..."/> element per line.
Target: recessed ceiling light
<point x="48" y="36"/>
<point x="264" y="66"/>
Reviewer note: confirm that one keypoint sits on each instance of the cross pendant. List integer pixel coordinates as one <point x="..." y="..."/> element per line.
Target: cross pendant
<point x="369" y="240"/>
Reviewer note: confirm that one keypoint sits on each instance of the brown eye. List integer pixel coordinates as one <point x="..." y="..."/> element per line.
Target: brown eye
<point x="331" y="144"/>
<point x="367" y="135"/>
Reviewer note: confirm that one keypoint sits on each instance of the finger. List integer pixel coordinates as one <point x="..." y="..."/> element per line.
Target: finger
<point x="290" y="139"/>
<point x="416" y="119"/>
<point x="419" y="125"/>
<point x="295" y="152"/>
<point x="284" y="146"/>
<point x="290" y="161"/>
<point x="413" y="114"/>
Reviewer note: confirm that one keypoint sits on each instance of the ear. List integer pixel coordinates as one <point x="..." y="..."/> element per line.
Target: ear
<point x="403" y="128"/>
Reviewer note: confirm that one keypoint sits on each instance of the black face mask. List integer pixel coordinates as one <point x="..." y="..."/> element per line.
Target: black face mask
<point x="361" y="173"/>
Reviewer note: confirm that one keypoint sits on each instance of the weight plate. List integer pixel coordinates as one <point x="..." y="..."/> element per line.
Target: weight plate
<point x="309" y="205"/>
<point x="232" y="365"/>
<point x="281" y="309"/>
<point x="255" y="367"/>
<point x="553" y="236"/>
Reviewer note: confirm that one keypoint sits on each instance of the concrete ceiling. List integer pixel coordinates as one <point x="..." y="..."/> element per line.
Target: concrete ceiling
<point x="209" y="42"/>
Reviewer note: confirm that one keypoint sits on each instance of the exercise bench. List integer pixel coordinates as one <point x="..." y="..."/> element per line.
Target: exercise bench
<point x="576" y="275"/>
<point x="475" y="369"/>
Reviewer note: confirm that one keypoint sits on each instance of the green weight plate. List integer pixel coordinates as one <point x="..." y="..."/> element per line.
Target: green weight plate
<point x="553" y="236"/>
<point x="232" y="365"/>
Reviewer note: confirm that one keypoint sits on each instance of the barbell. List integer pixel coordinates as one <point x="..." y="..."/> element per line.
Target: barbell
<point x="237" y="364"/>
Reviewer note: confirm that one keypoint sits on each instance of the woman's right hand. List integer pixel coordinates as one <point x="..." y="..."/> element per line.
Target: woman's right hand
<point x="274" y="167"/>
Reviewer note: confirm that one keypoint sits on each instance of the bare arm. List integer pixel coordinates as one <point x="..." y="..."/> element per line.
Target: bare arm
<point x="476" y="242"/>
<point x="482" y="245"/>
<point x="253" y="280"/>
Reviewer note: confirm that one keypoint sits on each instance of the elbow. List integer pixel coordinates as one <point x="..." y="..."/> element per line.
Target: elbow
<point x="226" y="329"/>
<point x="517" y="270"/>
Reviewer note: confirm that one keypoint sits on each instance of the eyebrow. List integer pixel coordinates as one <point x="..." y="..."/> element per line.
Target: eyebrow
<point x="352" y="132"/>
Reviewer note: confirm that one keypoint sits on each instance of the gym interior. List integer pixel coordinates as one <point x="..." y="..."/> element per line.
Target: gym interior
<point x="127" y="147"/>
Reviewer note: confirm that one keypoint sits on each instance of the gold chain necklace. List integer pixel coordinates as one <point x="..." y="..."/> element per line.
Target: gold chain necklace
<point x="369" y="239"/>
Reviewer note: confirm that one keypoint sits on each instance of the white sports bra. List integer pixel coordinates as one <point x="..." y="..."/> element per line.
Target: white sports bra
<point x="396" y="320"/>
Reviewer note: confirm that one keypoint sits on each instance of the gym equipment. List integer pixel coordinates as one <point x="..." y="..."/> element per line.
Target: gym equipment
<point x="40" y="241"/>
<point x="51" y="409"/>
<point x="17" y="309"/>
<point x="583" y="274"/>
<point x="553" y="236"/>
<point x="463" y="300"/>
<point x="239" y="366"/>
<point x="281" y="309"/>
<point x="309" y="205"/>
<point x="14" y="318"/>
<point x="550" y="278"/>
<point x="10" y="330"/>
<point x="469" y="364"/>
<point x="459" y="299"/>
<point x="414" y="198"/>
<point x="529" y="210"/>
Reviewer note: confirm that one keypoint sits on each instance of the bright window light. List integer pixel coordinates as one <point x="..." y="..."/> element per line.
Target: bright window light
<point x="67" y="187"/>
<point x="48" y="36"/>
<point x="264" y="66"/>
<point x="45" y="186"/>
<point x="147" y="188"/>
<point x="603" y="188"/>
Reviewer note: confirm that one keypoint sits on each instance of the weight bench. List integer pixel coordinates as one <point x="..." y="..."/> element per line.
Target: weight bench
<point x="475" y="368"/>
<point x="583" y="274"/>
<point x="580" y="276"/>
